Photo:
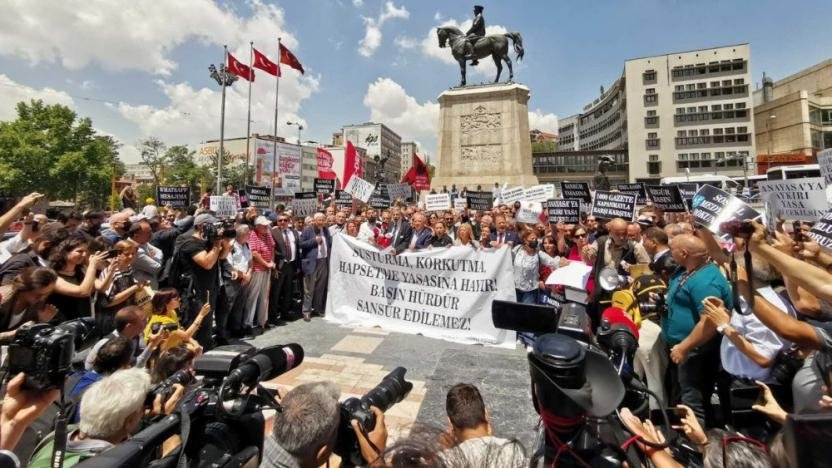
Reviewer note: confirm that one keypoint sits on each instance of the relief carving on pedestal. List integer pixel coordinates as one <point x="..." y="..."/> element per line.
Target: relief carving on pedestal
<point x="480" y="155"/>
<point x="480" y="121"/>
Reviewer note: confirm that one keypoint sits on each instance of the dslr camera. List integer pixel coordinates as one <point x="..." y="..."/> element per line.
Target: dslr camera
<point x="224" y="228"/>
<point x="158" y="326"/>
<point x="737" y="228"/>
<point x="44" y="352"/>
<point x="391" y="390"/>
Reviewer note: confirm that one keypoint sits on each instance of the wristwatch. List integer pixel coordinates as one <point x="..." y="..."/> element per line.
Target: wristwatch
<point x="721" y="328"/>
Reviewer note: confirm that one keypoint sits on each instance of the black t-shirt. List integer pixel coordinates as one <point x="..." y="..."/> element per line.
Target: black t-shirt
<point x="203" y="279"/>
<point x="70" y="307"/>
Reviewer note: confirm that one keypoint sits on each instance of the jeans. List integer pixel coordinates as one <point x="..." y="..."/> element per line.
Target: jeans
<point x="696" y="376"/>
<point x="527" y="297"/>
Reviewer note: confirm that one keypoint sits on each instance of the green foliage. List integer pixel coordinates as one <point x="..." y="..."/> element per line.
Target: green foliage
<point x="49" y="149"/>
<point x="545" y="146"/>
<point x="154" y="157"/>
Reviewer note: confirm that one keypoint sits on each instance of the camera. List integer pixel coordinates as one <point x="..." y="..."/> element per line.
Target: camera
<point x="165" y="387"/>
<point x="392" y="389"/>
<point x="737" y="228"/>
<point x="44" y="352"/>
<point x="158" y="326"/>
<point x="213" y="231"/>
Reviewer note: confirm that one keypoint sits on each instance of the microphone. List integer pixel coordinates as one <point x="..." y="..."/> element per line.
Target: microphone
<point x="267" y="364"/>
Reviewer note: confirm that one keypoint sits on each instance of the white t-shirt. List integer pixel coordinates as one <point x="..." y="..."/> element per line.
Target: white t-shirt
<point x="487" y="452"/>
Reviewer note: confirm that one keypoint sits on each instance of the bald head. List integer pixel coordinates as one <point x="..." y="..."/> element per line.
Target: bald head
<point x="689" y="251"/>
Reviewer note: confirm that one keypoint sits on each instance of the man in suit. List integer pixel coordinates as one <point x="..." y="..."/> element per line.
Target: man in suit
<point x="315" y="245"/>
<point x="656" y="244"/>
<point x="502" y="235"/>
<point x="397" y="226"/>
<point x="286" y="259"/>
<point x="416" y="237"/>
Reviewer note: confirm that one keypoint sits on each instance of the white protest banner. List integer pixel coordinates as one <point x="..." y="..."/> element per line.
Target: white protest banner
<point x="529" y="212"/>
<point x="224" y="207"/>
<point x="574" y="275"/>
<point x="822" y="231"/>
<point x="539" y="193"/>
<point x="359" y="188"/>
<point x="460" y="203"/>
<point x="796" y="199"/>
<point x="438" y="202"/>
<point x="511" y="195"/>
<point x="712" y="207"/>
<point x="305" y="204"/>
<point x="441" y="293"/>
<point x="398" y="191"/>
<point x="610" y="205"/>
<point x="825" y="163"/>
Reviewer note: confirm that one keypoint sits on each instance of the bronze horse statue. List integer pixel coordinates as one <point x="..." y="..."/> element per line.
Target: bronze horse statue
<point x="495" y="45"/>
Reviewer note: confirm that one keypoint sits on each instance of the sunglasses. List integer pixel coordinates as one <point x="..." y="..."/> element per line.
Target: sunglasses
<point x="580" y="235"/>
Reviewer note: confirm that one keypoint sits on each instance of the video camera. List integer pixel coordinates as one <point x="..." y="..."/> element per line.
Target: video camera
<point x="212" y="231"/>
<point x="219" y="420"/>
<point x="391" y="390"/>
<point x="44" y="352"/>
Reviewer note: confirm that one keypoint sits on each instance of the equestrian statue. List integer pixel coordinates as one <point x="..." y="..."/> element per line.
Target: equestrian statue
<point x="474" y="45"/>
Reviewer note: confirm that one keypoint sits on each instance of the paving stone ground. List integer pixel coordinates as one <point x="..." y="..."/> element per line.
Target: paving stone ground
<point x="357" y="359"/>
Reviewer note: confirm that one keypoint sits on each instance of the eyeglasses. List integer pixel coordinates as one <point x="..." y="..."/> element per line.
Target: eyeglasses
<point x="580" y="235"/>
<point x="738" y="438"/>
<point x="282" y="220"/>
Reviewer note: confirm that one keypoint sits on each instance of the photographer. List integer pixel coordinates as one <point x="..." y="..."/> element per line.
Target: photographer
<point x="164" y="318"/>
<point x="121" y="289"/>
<point x="23" y="301"/>
<point x="305" y="432"/>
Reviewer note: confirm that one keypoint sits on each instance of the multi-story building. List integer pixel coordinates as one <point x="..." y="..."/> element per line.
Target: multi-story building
<point x="409" y="148"/>
<point x="379" y="141"/>
<point x="689" y="112"/>
<point x="793" y="117"/>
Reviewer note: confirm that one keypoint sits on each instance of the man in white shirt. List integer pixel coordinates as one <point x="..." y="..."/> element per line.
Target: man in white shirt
<point x="370" y="228"/>
<point x="240" y="260"/>
<point x="340" y="223"/>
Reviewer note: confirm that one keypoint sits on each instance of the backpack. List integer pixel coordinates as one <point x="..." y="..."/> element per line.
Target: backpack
<point x="172" y="274"/>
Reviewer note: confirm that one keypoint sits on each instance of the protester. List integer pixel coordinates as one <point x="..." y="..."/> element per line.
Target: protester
<point x="286" y="254"/>
<point x="118" y="226"/>
<point x="440" y="236"/>
<point x="24" y="300"/>
<point x="120" y="290"/>
<point x="236" y="288"/>
<point x="262" y="246"/>
<point x="165" y="303"/>
<point x="315" y="245"/>
<point x="147" y="264"/>
<point x="413" y="236"/>
<point x="527" y="260"/>
<point x="37" y="253"/>
<point x="130" y="322"/>
<point x="465" y="236"/>
<point x="77" y="273"/>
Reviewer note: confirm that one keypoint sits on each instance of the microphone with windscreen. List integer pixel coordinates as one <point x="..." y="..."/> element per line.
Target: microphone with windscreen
<point x="266" y="364"/>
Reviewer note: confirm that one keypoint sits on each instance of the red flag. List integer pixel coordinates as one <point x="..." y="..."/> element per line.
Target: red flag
<point x="325" y="165"/>
<point x="262" y="62"/>
<point x="239" y="68"/>
<point x="287" y="57"/>
<point x="418" y="176"/>
<point x="352" y="163"/>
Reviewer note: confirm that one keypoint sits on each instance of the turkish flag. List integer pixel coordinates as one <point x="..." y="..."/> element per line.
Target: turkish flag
<point x="352" y="163"/>
<point x="240" y="69"/>
<point x="262" y="62"/>
<point x="418" y="176"/>
<point x="287" y="57"/>
<point x="325" y="165"/>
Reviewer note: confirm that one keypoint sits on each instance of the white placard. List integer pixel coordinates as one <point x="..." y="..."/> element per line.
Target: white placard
<point x="795" y="199"/>
<point x="359" y="188"/>
<point x="225" y="207"/>
<point x="511" y="195"/>
<point x="439" y="293"/>
<point x="539" y="193"/>
<point x="438" y="202"/>
<point x="574" y="275"/>
<point x="460" y="203"/>
<point x="396" y="191"/>
<point x="529" y="212"/>
<point x="825" y="163"/>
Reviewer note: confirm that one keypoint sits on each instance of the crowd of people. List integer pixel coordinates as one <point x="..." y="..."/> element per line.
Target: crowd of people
<point x="165" y="284"/>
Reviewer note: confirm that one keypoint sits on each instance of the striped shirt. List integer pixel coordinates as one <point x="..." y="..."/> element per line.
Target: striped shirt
<point x="264" y="245"/>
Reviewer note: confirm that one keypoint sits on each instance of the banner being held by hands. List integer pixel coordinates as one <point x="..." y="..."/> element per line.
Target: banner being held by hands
<point x="712" y="207"/>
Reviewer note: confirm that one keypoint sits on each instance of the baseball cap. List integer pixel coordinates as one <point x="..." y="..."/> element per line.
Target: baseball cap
<point x="262" y="221"/>
<point x="205" y="218"/>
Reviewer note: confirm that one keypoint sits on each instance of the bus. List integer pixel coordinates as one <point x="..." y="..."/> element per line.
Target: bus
<point x="719" y="181"/>
<point x="797" y="171"/>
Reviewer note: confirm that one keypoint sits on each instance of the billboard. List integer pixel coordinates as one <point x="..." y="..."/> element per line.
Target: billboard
<point x="288" y="166"/>
<point x="367" y="137"/>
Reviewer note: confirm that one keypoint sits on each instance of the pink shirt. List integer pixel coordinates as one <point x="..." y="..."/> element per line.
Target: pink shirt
<point x="264" y="245"/>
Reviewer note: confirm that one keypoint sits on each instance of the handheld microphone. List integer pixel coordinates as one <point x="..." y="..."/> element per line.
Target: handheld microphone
<point x="267" y="364"/>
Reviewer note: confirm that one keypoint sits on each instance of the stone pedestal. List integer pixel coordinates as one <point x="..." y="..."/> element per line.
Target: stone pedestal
<point x="484" y="137"/>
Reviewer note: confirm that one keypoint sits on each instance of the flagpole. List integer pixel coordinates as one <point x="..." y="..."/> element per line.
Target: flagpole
<point x="248" y="119"/>
<point x="274" y="141"/>
<point x="222" y="122"/>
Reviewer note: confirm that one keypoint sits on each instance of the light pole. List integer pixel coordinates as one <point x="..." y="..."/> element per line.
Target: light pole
<point x="223" y="78"/>
<point x="300" y="149"/>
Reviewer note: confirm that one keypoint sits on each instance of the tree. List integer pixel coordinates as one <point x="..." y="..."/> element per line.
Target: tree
<point x="183" y="170"/>
<point x="48" y="149"/>
<point x="545" y="146"/>
<point x="153" y="154"/>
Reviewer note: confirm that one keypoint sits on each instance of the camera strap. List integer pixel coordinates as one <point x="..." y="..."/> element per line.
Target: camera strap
<point x="184" y="433"/>
<point x="59" y="441"/>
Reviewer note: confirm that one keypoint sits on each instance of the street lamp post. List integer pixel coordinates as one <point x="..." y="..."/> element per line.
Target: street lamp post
<point x="300" y="149"/>
<point x="224" y="79"/>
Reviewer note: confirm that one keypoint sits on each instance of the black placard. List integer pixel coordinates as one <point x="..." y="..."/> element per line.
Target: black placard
<point x="259" y="196"/>
<point x="324" y="186"/>
<point x="178" y="197"/>
<point x="609" y="205"/>
<point x="480" y="201"/>
<point x="688" y="190"/>
<point x="667" y="198"/>
<point x="636" y="189"/>
<point x="380" y="199"/>
<point x="343" y="199"/>
<point x="566" y="211"/>
<point x="579" y="190"/>
<point x="822" y="230"/>
<point x="712" y="207"/>
<point x="305" y="204"/>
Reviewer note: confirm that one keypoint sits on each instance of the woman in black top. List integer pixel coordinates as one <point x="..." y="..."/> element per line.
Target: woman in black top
<point x="76" y="270"/>
<point x="440" y="236"/>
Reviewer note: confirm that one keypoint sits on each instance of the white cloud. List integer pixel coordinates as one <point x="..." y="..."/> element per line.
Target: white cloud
<point x="12" y="92"/>
<point x="543" y="122"/>
<point x="372" y="32"/>
<point x="404" y="42"/>
<point x="358" y="3"/>
<point x="390" y="104"/>
<point x="438" y="17"/>
<point x="127" y="34"/>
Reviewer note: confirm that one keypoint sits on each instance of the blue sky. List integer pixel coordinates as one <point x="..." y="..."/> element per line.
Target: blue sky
<point x="144" y="62"/>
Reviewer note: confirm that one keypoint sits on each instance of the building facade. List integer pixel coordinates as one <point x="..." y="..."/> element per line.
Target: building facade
<point x="409" y="148"/>
<point x="378" y="140"/>
<point x="690" y="112"/>
<point x="793" y="117"/>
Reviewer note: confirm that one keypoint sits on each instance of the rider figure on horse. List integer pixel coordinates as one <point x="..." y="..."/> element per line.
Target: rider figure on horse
<point x="476" y="31"/>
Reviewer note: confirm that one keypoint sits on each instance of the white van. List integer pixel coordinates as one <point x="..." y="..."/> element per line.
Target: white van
<point x="720" y="181"/>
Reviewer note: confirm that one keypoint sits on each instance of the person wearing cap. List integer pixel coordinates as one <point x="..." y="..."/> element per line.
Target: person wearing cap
<point x="150" y="209"/>
<point x="261" y="243"/>
<point x="200" y="265"/>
